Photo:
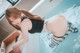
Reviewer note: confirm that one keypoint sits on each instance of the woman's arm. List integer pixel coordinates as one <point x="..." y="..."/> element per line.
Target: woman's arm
<point x="8" y="40"/>
<point x="18" y="44"/>
<point x="31" y="16"/>
<point x="21" y="40"/>
<point x="23" y="37"/>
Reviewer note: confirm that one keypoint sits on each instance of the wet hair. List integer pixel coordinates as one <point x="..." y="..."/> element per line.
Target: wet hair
<point x="15" y="11"/>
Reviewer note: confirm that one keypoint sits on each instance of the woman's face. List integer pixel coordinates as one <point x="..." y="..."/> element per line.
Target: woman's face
<point x="15" y="21"/>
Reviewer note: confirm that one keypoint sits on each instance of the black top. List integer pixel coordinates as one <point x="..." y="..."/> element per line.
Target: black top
<point x="37" y="25"/>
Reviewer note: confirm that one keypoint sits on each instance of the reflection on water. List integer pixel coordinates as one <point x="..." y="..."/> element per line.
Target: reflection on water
<point x="76" y="46"/>
<point x="71" y="44"/>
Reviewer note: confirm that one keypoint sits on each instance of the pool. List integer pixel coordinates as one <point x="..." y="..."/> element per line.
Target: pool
<point x="37" y="44"/>
<point x="71" y="44"/>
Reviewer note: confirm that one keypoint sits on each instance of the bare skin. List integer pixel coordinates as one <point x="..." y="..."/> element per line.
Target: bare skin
<point x="56" y="25"/>
<point x="24" y="30"/>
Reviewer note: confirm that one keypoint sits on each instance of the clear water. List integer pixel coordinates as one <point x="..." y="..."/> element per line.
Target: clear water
<point x="71" y="44"/>
<point x="62" y="6"/>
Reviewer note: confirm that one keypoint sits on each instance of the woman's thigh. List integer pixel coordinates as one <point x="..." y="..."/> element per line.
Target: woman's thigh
<point x="57" y="25"/>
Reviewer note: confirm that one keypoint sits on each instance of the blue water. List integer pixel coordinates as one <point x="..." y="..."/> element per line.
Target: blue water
<point x="71" y="44"/>
<point x="65" y="4"/>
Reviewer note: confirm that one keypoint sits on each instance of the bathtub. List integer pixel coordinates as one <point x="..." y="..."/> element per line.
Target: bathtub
<point x="34" y="43"/>
<point x="71" y="44"/>
<point x="46" y="9"/>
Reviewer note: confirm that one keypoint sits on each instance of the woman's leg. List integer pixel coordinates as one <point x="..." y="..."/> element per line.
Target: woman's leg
<point x="57" y="25"/>
<point x="71" y="15"/>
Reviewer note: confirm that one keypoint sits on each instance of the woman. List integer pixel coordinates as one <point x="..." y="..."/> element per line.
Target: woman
<point x="28" y="23"/>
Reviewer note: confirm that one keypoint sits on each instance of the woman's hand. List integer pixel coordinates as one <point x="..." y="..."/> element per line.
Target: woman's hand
<point x="16" y="49"/>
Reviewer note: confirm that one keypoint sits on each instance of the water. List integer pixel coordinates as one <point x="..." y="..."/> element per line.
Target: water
<point x="65" y="4"/>
<point x="71" y="44"/>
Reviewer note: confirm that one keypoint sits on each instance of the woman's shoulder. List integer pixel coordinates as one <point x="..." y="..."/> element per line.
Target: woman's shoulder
<point x="26" y="20"/>
<point x="26" y="23"/>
